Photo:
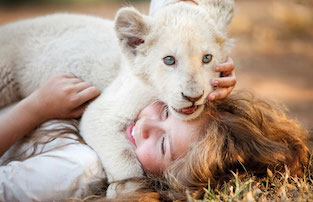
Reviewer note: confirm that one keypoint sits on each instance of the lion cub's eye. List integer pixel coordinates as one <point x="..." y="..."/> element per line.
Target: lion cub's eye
<point x="207" y="58"/>
<point x="169" y="60"/>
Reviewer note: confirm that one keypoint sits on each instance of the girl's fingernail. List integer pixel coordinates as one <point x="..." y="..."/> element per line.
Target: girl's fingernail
<point x="217" y="68"/>
<point x="212" y="97"/>
<point x="215" y="82"/>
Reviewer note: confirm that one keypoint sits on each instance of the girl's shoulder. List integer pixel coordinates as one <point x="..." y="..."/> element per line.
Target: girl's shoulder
<point x="68" y="165"/>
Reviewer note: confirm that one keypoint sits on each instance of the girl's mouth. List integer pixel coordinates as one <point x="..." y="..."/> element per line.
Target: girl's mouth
<point x="130" y="133"/>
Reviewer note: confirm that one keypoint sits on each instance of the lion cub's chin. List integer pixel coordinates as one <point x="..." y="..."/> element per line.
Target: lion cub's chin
<point x="188" y="115"/>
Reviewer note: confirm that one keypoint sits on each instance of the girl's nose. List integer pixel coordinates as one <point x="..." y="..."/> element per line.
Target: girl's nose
<point x="150" y="128"/>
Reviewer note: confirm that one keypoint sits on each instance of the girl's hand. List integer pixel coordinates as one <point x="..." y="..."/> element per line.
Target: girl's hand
<point x="226" y="83"/>
<point x="63" y="96"/>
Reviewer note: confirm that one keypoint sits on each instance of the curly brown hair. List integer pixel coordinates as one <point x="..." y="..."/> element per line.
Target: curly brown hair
<point x="240" y="134"/>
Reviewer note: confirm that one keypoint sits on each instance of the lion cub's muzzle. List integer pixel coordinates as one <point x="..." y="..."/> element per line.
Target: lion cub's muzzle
<point x="193" y="108"/>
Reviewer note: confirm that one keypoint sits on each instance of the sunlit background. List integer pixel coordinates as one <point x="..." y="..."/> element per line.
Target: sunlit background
<point x="274" y="43"/>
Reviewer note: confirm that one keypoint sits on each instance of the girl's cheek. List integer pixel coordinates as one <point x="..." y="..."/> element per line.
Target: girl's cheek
<point x="148" y="159"/>
<point x="142" y="156"/>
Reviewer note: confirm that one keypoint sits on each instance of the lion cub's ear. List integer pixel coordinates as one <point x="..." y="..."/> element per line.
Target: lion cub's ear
<point x="131" y="28"/>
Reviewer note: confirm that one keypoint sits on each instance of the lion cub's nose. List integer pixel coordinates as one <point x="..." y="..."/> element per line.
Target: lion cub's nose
<point x="192" y="99"/>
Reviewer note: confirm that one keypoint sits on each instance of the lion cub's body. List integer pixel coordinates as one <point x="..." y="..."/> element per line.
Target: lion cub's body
<point x="130" y="76"/>
<point x="33" y="50"/>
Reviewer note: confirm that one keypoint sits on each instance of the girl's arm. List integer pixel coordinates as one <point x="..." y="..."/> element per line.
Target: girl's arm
<point x="64" y="166"/>
<point x="63" y="96"/>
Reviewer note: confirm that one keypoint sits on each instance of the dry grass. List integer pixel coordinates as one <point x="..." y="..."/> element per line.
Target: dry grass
<point x="273" y="187"/>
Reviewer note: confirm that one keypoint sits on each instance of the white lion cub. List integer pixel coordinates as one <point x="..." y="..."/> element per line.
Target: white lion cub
<point x="168" y="57"/>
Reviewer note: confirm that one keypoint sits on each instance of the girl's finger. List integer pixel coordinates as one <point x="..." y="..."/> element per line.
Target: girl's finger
<point x="76" y="113"/>
<point x="88" y="94"/>
<point x="82" y="86"/>
<point x="227" y="74"/>
<point x="220" y="93"/>
<point x="73" y="80"/>
<point x="224" y="81"/>
<point x="228" y="66"/>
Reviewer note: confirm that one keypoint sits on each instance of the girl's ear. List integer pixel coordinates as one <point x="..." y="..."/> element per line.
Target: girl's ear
<point x="131" y="28"/>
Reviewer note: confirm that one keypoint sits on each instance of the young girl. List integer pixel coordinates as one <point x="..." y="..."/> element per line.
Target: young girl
<point x="237" y="134"/>
<point x="64" y="165"/>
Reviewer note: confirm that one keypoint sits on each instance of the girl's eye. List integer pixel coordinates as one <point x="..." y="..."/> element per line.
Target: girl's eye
<point x="169" y="60"/>
<point x="163" y="146"/>
<point x="207" y="58"/>
<point x="164" y="113"/>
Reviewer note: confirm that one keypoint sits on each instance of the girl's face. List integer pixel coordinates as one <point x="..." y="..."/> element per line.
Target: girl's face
<point x="159" y="137"/>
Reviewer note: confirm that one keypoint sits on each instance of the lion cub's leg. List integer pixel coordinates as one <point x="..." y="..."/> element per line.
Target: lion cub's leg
<point x="103" y="128"/>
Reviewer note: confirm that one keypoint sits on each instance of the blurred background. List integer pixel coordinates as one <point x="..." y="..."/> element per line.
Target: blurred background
<point x="274" y="43"/>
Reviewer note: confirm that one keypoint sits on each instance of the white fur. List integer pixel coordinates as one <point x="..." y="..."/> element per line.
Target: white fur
<point x="130" y="76"/>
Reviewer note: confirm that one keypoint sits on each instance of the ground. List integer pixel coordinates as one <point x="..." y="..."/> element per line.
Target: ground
<point x="273" y="53"/>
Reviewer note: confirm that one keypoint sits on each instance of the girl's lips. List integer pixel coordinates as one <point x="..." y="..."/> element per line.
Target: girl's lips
<point x="129" y="131"/>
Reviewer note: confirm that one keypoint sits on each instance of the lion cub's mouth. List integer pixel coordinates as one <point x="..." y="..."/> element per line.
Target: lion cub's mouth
<point x="187" y="110"/>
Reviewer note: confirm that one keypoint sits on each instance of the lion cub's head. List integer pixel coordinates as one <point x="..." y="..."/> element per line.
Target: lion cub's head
<point x="175" y="52"/>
